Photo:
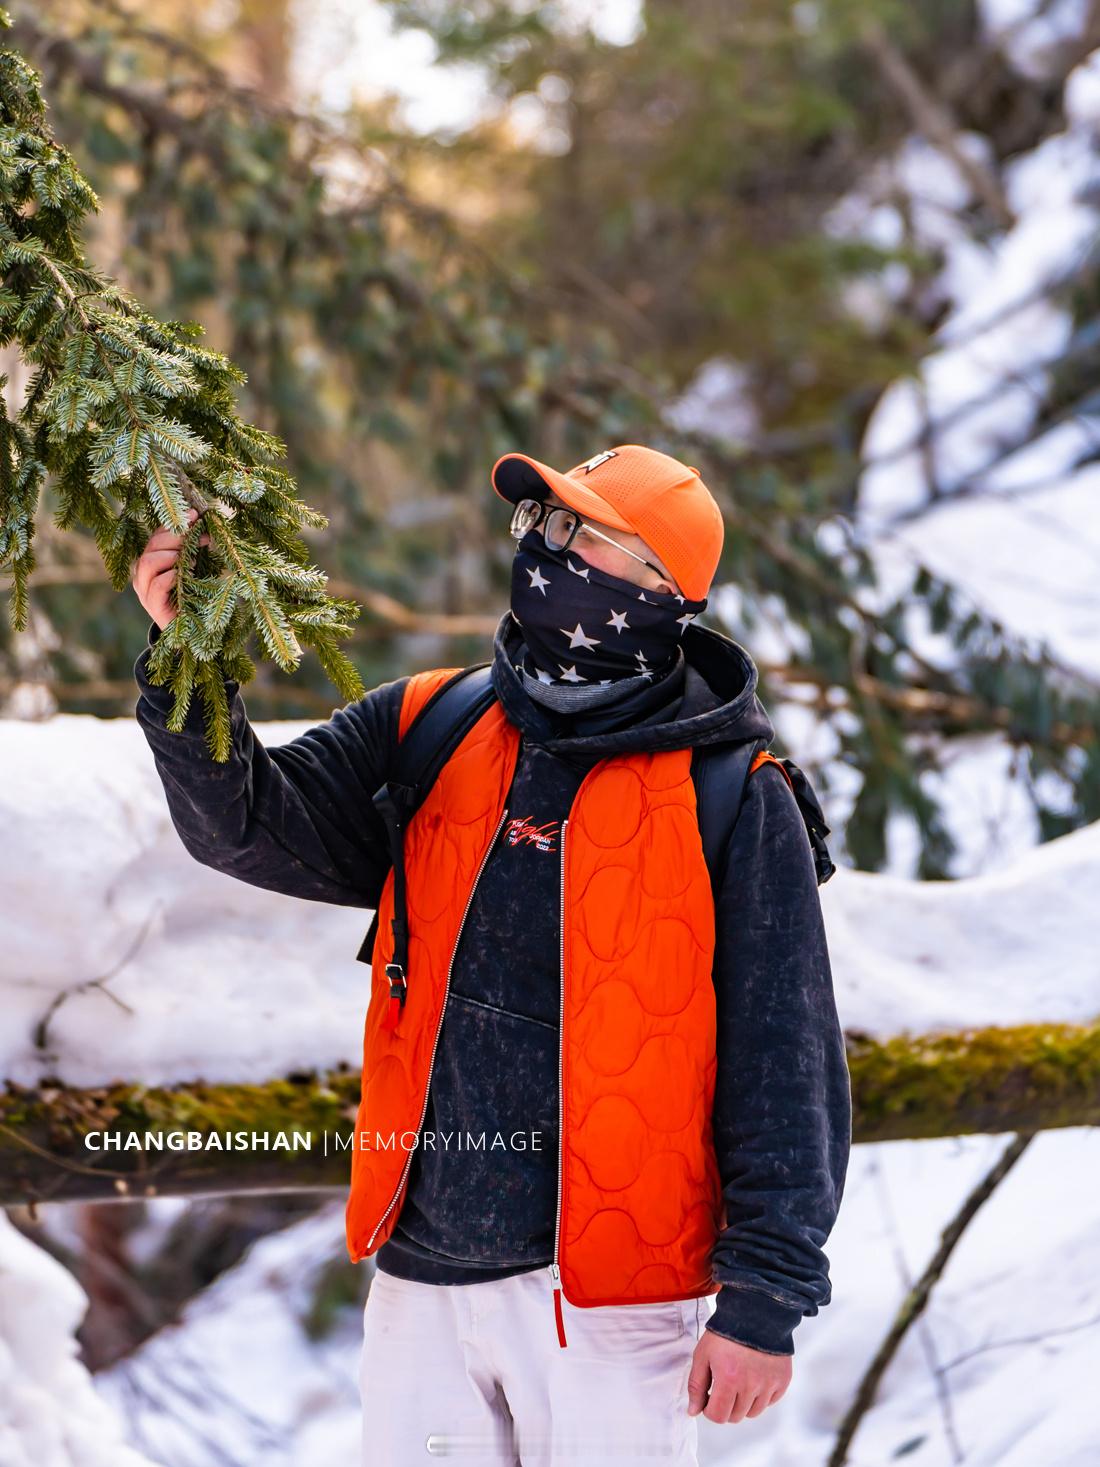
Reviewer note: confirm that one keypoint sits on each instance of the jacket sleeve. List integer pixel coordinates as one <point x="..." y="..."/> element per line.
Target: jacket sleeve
<point x="296" y="818"/>
<point x="783" y="1108"/>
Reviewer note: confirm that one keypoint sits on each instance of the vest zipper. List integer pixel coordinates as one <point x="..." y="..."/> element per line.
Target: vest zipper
<point x="439" y="1027"/>
<point x="555" y="1271"/>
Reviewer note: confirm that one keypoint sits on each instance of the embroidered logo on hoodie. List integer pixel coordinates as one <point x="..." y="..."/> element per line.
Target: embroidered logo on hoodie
<point x="523" y="830"/>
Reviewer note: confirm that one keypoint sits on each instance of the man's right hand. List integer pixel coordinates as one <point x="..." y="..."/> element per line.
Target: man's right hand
<point x="155" y="572"/>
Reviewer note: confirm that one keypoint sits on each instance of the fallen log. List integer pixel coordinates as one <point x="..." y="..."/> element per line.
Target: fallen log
<point x="981" y="1081"/>
<point x="61" y="1143"/>
<point x="65" y="1144"/>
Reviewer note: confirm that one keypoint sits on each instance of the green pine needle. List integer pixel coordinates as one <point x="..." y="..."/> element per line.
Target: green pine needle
<point x="136" y="422"/>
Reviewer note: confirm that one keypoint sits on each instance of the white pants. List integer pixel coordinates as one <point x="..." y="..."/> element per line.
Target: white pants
<point x="475" y="1372"/>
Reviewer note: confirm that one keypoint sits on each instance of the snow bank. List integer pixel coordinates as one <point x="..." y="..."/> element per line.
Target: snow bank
<point x="240" y="1372"/>
<point x="1011" y="947"/>
<point x="151" y="967"/>
<point x="1000" y="1365"/>
<point x="998" y="1370"/>
<point x="50" y="1414"/>
<point x="160" y="969"/>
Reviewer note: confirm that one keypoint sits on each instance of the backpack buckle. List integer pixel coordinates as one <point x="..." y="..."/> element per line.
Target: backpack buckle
<point x="822" y="860"/>
<point x="398" y="985"/>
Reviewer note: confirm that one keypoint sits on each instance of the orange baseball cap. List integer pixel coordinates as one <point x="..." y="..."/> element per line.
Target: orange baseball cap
<point x="633" y="488"/>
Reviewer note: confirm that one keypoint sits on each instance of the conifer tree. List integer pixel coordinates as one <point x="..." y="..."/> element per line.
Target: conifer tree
<point x="135" y="421"/>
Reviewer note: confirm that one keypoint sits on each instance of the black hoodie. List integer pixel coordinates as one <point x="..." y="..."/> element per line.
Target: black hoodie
<point x="481" y="1199"/>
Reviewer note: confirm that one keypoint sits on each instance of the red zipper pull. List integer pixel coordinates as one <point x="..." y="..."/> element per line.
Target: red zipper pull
<point x="558" y="1319"/>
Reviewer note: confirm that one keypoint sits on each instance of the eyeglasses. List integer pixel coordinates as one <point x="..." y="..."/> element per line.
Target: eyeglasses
<point x="560" y="528"/>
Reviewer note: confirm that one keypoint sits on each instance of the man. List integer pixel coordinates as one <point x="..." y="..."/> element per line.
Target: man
<point x="672" y="1058"/>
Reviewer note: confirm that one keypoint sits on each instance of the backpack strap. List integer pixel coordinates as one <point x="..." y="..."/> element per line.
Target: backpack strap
<point x="439" y="727"/>
<point x="419" y="691"/>
<point x="721" y="773"/>
<point x="430" y="738"/>
<point x="765" y="756"/>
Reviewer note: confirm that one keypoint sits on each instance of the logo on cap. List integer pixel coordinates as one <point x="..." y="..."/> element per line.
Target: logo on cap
<point x="597" y="459"/>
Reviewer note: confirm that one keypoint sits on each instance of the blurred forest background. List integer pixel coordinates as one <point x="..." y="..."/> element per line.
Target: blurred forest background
<point x="745" y="232"/>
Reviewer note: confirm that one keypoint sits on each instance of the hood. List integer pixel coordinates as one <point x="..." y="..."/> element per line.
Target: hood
<point x="710" y="699"/>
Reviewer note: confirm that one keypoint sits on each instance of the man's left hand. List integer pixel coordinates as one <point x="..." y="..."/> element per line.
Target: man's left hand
<point x="741" y="1381"/>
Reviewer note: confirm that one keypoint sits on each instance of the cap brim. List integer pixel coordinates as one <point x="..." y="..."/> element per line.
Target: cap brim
<point x="516" y="476"/>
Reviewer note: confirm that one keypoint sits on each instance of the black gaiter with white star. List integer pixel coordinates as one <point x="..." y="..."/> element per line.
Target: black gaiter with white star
<point x="582" y="625"/>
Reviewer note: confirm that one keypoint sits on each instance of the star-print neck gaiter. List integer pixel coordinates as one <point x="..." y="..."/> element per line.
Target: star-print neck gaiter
<point x="582" y="625"/>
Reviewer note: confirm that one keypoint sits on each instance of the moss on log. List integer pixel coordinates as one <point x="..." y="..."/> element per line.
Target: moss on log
<point x="52" y="1137"/>
<point x="1031" y="1077"/>
<point x="63" y="1143"/>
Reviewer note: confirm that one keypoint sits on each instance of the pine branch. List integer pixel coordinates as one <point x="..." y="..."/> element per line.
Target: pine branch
<point x="136" y="422"/>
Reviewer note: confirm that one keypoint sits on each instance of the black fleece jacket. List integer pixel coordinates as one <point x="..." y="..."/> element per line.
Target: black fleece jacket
<point x="298" y="819"/>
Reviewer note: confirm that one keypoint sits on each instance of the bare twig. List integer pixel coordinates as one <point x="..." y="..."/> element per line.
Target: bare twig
<point x="916" y="1300"/>
<point x="933" y="120"/>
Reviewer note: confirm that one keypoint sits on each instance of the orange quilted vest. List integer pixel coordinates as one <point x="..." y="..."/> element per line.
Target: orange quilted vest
<point x="639" y="1194"/>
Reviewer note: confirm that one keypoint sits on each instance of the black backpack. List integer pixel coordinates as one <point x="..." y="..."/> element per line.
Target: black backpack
<point x="448" y="716"/>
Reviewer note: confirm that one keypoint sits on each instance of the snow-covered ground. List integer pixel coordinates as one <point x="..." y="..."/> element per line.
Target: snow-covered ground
<point x="240" y="1379"/>
<point x="172" y="971"/>
<point x="156" y="967"/>
<point x="999" y="1371"/>
<point x="50" y="1412"/>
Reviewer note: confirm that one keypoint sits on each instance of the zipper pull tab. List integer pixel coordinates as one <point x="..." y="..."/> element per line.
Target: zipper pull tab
<point x="558" y="1319"/>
